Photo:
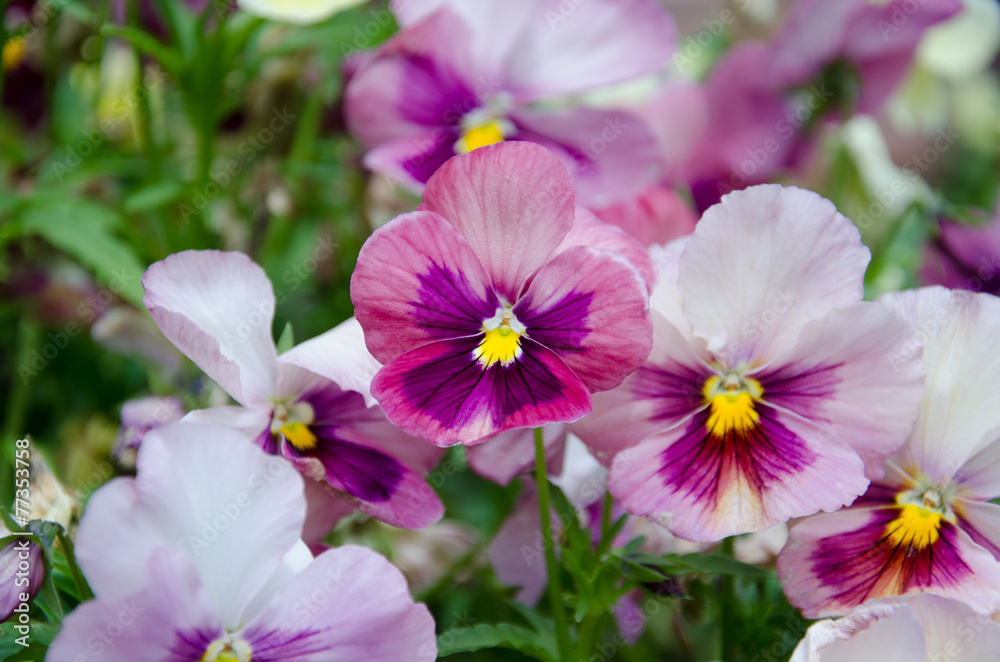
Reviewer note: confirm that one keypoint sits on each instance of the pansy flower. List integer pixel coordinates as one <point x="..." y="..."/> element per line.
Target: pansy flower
<point x="208" y="566"/>
<point x="928" y="525"/>
<point x="484" y="308"/>
<point x="311" y="404"/>
<point x="462" y="74"/>
<point x="769" y="392"/>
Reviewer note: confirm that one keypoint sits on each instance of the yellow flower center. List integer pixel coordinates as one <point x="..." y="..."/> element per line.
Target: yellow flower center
<point x="13" y="52"/>
<point x="501" y="344"/>
<point x="480" y="135"/>
<point x="299" y="435"/>
<point x="731" y="401"/>
<point x="227" y="650"/>
<point x="916" y="526"/>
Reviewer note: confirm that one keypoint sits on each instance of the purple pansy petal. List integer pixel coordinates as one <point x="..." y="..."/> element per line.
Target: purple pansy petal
<point x="411" y="161"/>
<point x="763" y="263"/>
<point x="658" y="396"/>
<point x="339" y="355"/>
<point x="835" y="562"/>
<point x="441" y="392"/>
<point x="961" y="412"/>
<point x="234" y="555"/>
<point x="418" y="280"/>
<point x="169" y="619"/>
<point x="414" y="85"/>
<point x="11" y="558"/>
<point x="704" y="487"/>
<point x="349" y="604"/>
<point x="217" y="308"/>
<point x="844" y="375"/>
<point x="611" y="154"/>
<point x="324" y="508"/>
<point x="513" y="203"/>
<point x="982" y="522"/>
<point x="589" y="230"/>
<point x="590" y="307"/>
<point x="510" y="454"/>
<point x="597" y="43"/>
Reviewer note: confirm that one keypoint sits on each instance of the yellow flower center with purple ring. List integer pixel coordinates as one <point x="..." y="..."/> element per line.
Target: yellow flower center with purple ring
<point x="920" y="519"/>
<point x="501" y="341"/>
<point x="292" y="421"/>
<point x="227" y="650"/>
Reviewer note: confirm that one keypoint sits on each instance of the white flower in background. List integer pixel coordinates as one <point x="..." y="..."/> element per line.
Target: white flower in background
<point x="302" y="12"/>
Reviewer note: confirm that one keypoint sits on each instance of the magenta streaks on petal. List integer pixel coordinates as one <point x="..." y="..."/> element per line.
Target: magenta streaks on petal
<point x="978" y="537"/>
<point x="703" y="463"/>
<point x="562" y="327"/>
<point x="867" y="563"/>
<point x="675" y="389"/>
<point x="429" y="155"/>
<point x="449" y="303"/>
<point x="793" y="387"/>
<point x="433" y="94"/>
<point x="362" y="472"/>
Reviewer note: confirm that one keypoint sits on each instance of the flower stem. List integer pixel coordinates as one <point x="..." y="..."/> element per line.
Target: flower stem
<point x="551" y="564"/>
<point x="728" y="617"/>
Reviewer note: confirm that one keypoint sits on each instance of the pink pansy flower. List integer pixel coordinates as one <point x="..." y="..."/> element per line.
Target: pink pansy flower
<point x="656" y="216"/>
<point x="924" y="628"/>
<point x="462" y="74"/>
<point x="208" y="566"/>
<point x="928" y="524"/>
<point x="769" y="392"/>
<point x="311" y="404"/>
<point x="485" y="309"/>
<point x="140" y="416"/>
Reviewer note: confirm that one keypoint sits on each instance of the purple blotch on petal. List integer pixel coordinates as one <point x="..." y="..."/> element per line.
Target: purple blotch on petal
<point x="447" y="301"/>
<point x="675" y="389"/>
<point x="562" y="327"/>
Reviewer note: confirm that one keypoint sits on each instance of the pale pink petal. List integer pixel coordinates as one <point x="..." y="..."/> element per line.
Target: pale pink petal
<point x="589" y="230"/>
<point x="217" y="308"/>
<point x="349" y="604"/>
<point x="961" y="411"/>
<point x="979" y="477"/>
<point x="249" y="422"/>
<point x="510" y="454"/>
<point x="612" y="154"/>
<point x="339" y="355"/>
<point x="843" y="375"/>
<point x="656" y="216"/>
<point x="879" y="632"/>
<point x="323" y="510"/>
<point x="590" y="307"/>
<point x="981" y="521"/>
<point x="572" y="47"/>
<point x="763" y="263"/>
<point x="203" y="491"/>
<point x="418" y="280"/>
<point x="513" y="203"/>
<point x="170" y="617"/>
<point x="954" y="630"/>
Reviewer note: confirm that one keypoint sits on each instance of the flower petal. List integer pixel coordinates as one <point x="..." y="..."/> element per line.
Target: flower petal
<point x="589" y="230"/>
<point x="169" y="618"/>
<point x="982" y="522"/>
<point x="349" y="604"/>
<point x="961" y="409"/>
<point x="611" y="154"/>
<point x="835" y="562"/>
<point x="572" y="48"/>
<point x="658" y="215"/>
<point x="339" y="355"/>
<point x="513" y="203"/>
<point x="442" y="393"/>
<point x="217" y="308"/>
<point x="878" y="632"/>
<point x="703" y="486"/>
<point x="788" y="258"/>
<point x="979" y="477"/>
<point x="590" y="307"/>
<point x="240" y="513"/>
<point x="510" y="454"/>
<point x="417" y="280"/>
<point x="845" y="374"/>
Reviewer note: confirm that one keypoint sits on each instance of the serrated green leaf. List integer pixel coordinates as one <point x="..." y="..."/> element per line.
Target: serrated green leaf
<point x="479" y="637"/>
<point x="83" y="229"/>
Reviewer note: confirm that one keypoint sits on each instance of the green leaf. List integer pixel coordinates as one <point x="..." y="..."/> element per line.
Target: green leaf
<point x="287" y="339"/>
<point x="153" y="197"/>
<point x="39" y="636"/>
<point x="83" y="229"/>
<point x="717" y="564"/>
<point x="467" y="640"/>
<point x="145" y="43"/>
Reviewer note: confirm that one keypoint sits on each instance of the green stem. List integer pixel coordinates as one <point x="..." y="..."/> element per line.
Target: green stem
<point x="606" y="541"/>
<point x="551" y="563"/>
<point x="81" y="584"/>
<point x="728" y="604"/>
<point x="588" y="635"/>
<point x="17" y="402"/>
